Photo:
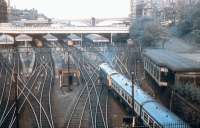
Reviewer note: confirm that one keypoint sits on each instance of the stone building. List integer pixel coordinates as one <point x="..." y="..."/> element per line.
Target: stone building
<point x="3" y="11"/>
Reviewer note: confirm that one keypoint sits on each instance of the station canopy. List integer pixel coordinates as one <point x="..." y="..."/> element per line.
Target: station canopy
<point x="6" y="39"/>
<point x="50" y="37"/>
<point x="97" y="38"/>
<point x="172" y="60"/>
<point x="23" y="38"/>
<point x="74" y="37"/>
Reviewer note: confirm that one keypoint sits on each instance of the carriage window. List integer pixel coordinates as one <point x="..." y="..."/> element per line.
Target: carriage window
<point x="145" y="117"/>
<point x="113" y="85"/>
<point x="151" y="123"/>
<point x="145" y="63"/>
<point x="116" y="87"/>
<point x="156" y="125"/>
<point x="129" y="100"/>
<point x="150" y="67"/>
<point x="122" y="94"/>
<point x="136" y="107"/>
<point x="126" y="97"/>
<point x="119" y="90"/>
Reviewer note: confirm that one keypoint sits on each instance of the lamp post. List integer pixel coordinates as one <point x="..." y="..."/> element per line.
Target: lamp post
<point x="68" y="63"/>
<point x="69" y="44"/>
<point x="133" y="82"/>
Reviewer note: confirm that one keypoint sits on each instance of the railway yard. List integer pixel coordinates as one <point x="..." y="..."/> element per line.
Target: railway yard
<point x="35" y="92"/>
<point x="56" y="85"/>
<point x="100" y="64"/>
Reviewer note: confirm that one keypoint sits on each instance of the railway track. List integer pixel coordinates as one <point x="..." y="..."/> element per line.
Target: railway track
<point x="7" y="95"/>
<point x="87" y="111"/>
<point x="76" y="117"/>
<point x="38" y="102"/>
<point x="42" y="90"/>
<point x="102" y="122"/>
<point x="101" y="116"/>
<point x="11" y="69"/>
<point x="34" y="93"/>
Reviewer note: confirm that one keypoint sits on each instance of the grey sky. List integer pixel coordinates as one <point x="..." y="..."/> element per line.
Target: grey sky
<point x="76" y="8"/>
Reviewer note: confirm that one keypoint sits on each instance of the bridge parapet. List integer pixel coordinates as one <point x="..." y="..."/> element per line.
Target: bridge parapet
<point x="61" y="30"/>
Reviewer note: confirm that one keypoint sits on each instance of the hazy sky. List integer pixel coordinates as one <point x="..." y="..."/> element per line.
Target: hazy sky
<point x="76" y="8"/>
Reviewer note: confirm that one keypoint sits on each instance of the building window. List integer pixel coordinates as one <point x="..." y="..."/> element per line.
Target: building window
<point x="163" y="76"/>
<point x="154" y="70"/>
<point x="157" y="74"/>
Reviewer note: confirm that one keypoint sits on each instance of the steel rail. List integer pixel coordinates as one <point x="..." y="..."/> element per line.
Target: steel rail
<point x="94" y="67"/>
<point x="14" y="103"/>
<point x="49" y="98"/>
<point x="7" y="102"/>
<point x="95" y="90"/>
<point x="87" y="98"/>
<point x="98" y="101"/>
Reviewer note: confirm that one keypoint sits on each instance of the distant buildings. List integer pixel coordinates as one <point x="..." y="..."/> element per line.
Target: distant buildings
<point x="163" y="10"/>
<point x="147" y="7"/>
<point x="3" y="11"/>
<point x="17" y="14"/>
<point x="9" y="14"/>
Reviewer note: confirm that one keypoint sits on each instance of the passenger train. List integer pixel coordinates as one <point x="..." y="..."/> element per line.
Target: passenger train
<point x="152" y="113"/>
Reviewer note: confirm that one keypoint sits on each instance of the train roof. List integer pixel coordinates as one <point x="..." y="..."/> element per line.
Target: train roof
<point x="162" y="115"/>
<point x="106" y="68"/>
<point x="157" y="111"/>
<point x="123" y="82"/>
<point x="172" y="60"/>
<point x="139" y="95"/>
